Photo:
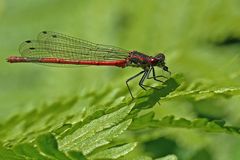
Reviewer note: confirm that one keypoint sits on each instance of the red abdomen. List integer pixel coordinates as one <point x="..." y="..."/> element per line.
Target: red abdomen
<point x="117" y="63"/>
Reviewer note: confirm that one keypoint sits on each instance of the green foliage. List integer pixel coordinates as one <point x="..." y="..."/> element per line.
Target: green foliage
<point x="97" y="135"/>
<point x="75" y="114"/>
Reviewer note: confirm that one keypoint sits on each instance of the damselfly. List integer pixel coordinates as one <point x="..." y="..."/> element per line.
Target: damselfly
<point x="52" y="47"/>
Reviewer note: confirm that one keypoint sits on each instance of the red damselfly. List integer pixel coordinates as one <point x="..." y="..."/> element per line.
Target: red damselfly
<point x="52" y="47"/>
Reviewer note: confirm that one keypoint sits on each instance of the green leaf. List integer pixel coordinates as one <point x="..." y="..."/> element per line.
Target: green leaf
<point x="142" y="121"/>
<point x="199" y="123"/>
<point x="102" y="138"/>
<point x="48" y="145"/>
<point x="205" y="94"/>
<point x="27" y="150"/>
<point x="8" y="154"/>
<point x="106" y="121"/>
<point x="168" y="157"/>
<point x="137" y="157"/>
<point x="76" y="155"/>
<point x="150" y="98"/>
<point x="114" y="152"/>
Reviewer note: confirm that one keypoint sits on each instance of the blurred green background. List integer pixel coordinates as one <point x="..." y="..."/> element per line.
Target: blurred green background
<point x="201" y="39"/>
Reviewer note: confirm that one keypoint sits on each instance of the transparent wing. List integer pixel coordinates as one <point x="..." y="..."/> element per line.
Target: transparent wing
<point x="56" y="45"/>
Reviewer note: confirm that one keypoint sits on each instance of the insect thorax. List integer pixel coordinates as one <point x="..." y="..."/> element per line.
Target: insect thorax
<point x="137" y="59"/>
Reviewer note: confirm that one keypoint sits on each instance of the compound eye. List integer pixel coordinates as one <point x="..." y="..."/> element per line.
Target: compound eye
<point x="160" y="56"/>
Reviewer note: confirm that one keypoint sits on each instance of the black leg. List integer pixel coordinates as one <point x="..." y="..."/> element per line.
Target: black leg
<point x="149" y="73"/>
<point x="146" y="74"/>
<point x="131" y="79"/>
<point x="154" y="75"/>
<point x="143" y="79"/>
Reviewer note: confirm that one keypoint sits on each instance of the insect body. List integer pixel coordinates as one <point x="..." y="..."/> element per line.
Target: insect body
<point x="56" y="48"/>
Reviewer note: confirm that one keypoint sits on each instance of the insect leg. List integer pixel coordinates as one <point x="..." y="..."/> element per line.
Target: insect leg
<point x="146" y="72"/>
<point x="131" y="78"/>
<point x="146" y="75"/>
<point x="154" y="76"/>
